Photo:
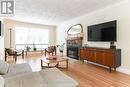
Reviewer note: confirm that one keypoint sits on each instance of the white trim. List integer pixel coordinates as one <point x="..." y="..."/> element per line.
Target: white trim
<point x="124" y="70"/>
<point x="120" y="69"/>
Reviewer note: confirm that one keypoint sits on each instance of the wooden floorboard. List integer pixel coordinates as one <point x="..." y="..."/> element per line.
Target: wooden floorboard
<point x="87" y="75"/>
<point x="92" y="76"/>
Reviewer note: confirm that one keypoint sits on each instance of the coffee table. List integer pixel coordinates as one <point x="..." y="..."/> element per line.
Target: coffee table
<point x="53" y="62"/>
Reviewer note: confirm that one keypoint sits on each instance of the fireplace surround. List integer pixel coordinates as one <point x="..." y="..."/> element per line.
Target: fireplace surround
<point x="74" y="41"/>
<point x="73" y="47"/>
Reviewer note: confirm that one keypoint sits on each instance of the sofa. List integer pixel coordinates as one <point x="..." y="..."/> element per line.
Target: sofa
<point x="49" y="77"/>
<point x="13" y="69"/>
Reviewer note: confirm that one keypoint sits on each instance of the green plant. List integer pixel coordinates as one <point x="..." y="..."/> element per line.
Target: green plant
<point x="28" y="48"/>
<point x="61" y="47"/>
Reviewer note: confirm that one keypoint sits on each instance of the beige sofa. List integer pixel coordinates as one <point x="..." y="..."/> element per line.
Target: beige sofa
<point x="51" y="77"/>
<point x="13" y="69"/>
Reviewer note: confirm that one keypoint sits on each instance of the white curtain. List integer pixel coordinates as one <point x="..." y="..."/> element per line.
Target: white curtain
<point x="31" y="36"/>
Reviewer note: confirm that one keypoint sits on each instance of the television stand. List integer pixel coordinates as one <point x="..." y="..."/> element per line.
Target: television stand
<point x="103" y="56"/>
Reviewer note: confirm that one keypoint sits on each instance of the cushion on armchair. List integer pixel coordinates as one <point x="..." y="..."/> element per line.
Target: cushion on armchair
<point x="51" y="49"/>
<point x="3" y="67"/>
<point x="2" y="81"/>
<point x="10" y="51"/>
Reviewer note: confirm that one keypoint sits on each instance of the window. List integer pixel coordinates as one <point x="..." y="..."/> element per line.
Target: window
<point x="26" y="36"/>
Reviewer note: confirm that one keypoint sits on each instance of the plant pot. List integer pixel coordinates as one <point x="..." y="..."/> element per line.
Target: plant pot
<point x="34" y="49"/>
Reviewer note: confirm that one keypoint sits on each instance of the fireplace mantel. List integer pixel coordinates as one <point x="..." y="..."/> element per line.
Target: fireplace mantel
<point x="74" y="38"/>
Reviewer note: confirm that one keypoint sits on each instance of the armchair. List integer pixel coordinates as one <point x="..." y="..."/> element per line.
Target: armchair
<point x="14" y="53"/>
<point x="50" y="49"/>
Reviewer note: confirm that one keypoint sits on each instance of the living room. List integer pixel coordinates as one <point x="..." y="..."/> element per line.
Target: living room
<point x="58" y="20"/>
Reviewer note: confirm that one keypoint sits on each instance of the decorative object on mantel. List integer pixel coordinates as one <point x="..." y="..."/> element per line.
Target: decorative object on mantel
<point x="61" y="48"/>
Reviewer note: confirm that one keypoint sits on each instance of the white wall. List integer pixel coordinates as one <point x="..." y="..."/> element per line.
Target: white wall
<point x="1" y="48"/>
<point x="2" y="42"/>
<point x="119" y="12"/>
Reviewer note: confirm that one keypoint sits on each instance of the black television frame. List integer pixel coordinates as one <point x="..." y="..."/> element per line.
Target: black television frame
<point x="113" y="25"/>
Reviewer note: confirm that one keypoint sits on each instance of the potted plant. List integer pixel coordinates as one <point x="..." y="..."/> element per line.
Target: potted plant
<point x="28" y="48"/>
<point x="34" y="48"/>
<point x="61" y="48"/>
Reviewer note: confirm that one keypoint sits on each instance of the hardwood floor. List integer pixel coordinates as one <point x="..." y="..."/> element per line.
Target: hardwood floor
<point x="92" y="76"/>
<point x="87" y="75"/>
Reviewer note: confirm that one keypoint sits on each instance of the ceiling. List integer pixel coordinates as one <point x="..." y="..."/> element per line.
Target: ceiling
<point x="53" y="12"/>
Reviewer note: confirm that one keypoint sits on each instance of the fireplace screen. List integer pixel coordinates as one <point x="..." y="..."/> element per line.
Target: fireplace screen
<point x="73" y="52"/>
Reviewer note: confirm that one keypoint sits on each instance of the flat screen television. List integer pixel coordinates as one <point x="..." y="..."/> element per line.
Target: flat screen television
<point x="105" y="32"/>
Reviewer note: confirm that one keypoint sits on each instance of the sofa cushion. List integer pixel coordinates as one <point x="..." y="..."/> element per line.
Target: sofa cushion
<point x="3" y="67"/>
<point x="18" y="69"/>
<point x="30" y="79"/>
<point x="55" y="78"/>
<point x="2" y="81"/>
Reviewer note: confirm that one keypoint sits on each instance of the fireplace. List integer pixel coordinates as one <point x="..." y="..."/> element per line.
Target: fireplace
<point x="73" y="52"/>
<point x="74" y="40"/>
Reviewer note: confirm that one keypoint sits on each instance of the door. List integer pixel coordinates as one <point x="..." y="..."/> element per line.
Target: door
<point x="109" y="59"/>
<point x="90" y="55"/>
<point x="99" y="57"/>
<point x="82" y="54"/>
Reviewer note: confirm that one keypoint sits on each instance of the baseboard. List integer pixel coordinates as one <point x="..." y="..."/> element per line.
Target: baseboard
<point x="120" y="69"/>
<point x="124" y="70"/>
